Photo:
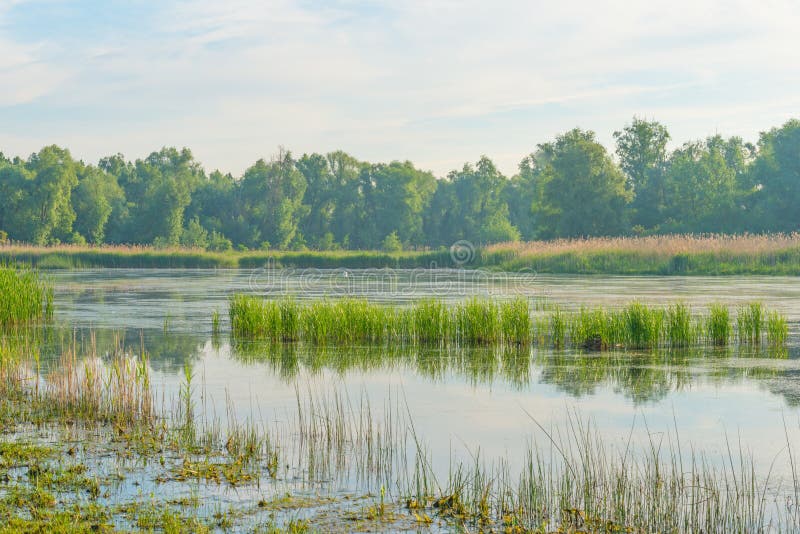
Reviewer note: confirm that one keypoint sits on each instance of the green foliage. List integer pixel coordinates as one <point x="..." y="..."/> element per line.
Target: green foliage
<point x="24" y="297"/>
<point x="777" y="329"/>
<point x="583" y="193"/>
<point x="568" y="187"/>
<point x="718" y="325"/>
<point x="477" y="322"/>
<point x="750" y="323"/>
<point x="392" y="243"/>
<point x="679" y="325"/>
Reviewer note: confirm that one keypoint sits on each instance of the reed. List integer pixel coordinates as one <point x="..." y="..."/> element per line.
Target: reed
<point x="477" y="322"/>
<point x="643" y="326"/>
<point x="558" y="328"/>
<point x="215" y="321"/>
<point x="750" y="323"/>
<point x="589" y="329"/>
<point x="25" y="297"/>
<point x="515" y="322"/>
<point x="657" y="255"/>
<point x="777" y="329"/>
<point x="432" y="321"/>
<point x="718" y="325"/>
<point x="680" y="331"/>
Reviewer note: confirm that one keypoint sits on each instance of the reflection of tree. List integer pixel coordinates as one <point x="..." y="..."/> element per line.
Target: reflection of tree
<point x="167" y="351"/>
<point x="641" y="377"/>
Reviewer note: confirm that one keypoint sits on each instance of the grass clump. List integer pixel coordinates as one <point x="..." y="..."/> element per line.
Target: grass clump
<point x="750" y="323"/>
<point x="478" y="322"/>
<point x="25" y="297"/>
<point x="777" y="329"/>
<point x="642" y="326"/>
<point x="432" y="321"/>
<point x="718" y="325"/>
<point x="679" y="325"/>
<point x="515" y="322"/>
<point x="483" y="322"/>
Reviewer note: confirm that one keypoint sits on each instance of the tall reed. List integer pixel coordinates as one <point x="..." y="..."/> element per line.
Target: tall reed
<point x="750" y="323"/>
<point x="718" y="325"/>
<point x="680" y="332"/>
<point x="25" y="297"/>
<point x="777" y="329"/>
<point x="496" y="323"/>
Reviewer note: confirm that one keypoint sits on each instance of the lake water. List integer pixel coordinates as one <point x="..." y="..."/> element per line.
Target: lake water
<point x="460" y="401"/>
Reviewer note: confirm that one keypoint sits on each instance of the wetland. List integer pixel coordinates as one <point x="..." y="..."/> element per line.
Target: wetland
<point x="134" y="407"/>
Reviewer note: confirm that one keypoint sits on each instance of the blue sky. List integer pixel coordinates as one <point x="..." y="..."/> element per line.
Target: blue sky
<point x="437" y="82"/>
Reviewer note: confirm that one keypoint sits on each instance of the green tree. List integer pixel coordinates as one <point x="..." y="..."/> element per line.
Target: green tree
<point x="702" y="187"/>
<point x="392" y="243"/>
<point x="272" y="196"/>
<point x="776" y="175"/>
<point x="583" y="192"/>
<point x="470" y="205"/>
<point x="395" y="198"/>
<point x="43" y="212"/>
<point x="642" y="153"/>
<point x="161" y="190"/>
<point x="93" y="201"/>
<point x="194" y="235"/>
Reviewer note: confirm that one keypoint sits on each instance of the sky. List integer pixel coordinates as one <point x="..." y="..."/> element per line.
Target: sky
<point x="439" y="83"/>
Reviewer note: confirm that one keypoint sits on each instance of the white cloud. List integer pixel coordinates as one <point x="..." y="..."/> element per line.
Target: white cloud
<point x="438" y="83"/>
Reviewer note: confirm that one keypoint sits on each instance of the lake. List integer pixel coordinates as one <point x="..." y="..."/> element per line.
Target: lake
<point x="460" y="400"/>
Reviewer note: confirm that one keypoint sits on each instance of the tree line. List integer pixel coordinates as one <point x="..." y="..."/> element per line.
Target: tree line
<point x="569" y="187"/>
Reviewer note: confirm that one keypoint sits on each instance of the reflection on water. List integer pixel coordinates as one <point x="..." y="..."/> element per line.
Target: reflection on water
<point x="636" y="376"/>
<point x="476" y="397"/>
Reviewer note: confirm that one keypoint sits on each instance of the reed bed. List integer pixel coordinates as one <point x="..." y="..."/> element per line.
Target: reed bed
<point x="66" y="256"/>
<point x="484" y="322"/>
<point x="775" y="254"/>
<point x="25" y="297"/>
<point x="114" y="390"/>
<point x="660" y="254"/>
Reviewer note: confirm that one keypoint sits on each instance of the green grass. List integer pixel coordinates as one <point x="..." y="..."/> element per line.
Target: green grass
<point x="777" y="329"/>
<point x="718" y="325"/>
<point x="25" y="297"/>
<point x="774" y="254"/>
<point x="750" y="323"/>
<point x="680" y="331"/>
<point x="139" y="257"/>
<point x="477" y="322"/>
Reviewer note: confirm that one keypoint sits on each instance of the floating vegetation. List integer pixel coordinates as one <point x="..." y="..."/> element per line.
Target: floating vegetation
<point x="25" y="298"/>
<point x="477" y="322"/>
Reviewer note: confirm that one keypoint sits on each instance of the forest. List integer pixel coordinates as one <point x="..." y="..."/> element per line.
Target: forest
<point x="569" y="187"/>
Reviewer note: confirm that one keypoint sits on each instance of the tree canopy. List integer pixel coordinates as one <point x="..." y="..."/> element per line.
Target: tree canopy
<point x="571" y="186"/>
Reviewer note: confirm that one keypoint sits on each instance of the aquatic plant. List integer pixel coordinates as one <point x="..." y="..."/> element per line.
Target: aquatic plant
<point x="558" y="328"/>
<point x="680" y="331"/>
<point x="479" y="321"/>
<point x="750" y="323"/>
<point x="718" y="325"/>
<point x="25" y="297"/>
<point x="777" y="329"/>
<point x="515" y="321"/>
<point x="642" y="326"/>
